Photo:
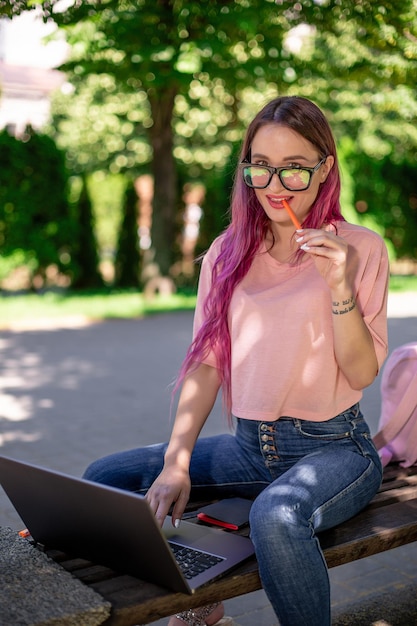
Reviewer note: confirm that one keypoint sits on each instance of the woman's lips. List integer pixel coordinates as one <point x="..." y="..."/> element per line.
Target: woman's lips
<point x="276" y="202"/>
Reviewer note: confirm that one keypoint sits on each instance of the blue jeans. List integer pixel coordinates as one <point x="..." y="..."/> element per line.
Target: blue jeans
<point x="304" y="477"/>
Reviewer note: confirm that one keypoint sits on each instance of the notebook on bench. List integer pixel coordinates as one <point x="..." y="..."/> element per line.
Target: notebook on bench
<point x="117" y="528"/>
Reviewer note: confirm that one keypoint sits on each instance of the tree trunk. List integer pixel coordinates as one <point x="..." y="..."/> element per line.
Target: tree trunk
<point x="165" y="178"/>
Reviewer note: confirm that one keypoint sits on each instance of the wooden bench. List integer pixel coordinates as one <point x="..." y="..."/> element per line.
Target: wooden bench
<point x="388" y="522"/>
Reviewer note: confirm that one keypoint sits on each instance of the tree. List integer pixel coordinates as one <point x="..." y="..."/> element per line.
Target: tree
<point x="356" y="60"/>
<point x="34" y="212"/>
<point x="127" y="256"/>
<point x="161" y="62"/>
<point x="368" y="76"/>
<point x="168" y="48"/>
<point x="85" y="250"/>
<point x="10" y="8"/>
<point x="99" y="127"/>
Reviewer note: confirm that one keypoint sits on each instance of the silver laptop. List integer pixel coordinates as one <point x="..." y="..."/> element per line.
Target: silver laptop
<point x="117" y="528"/>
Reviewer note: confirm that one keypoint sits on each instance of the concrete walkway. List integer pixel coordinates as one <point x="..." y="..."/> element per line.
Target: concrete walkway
<point x="73" y="393"/>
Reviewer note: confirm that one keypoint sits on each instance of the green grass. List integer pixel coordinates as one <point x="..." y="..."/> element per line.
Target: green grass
<point x="403" y="283"/>
<point x="107" y="304"/>
<point x="92" y="305"/>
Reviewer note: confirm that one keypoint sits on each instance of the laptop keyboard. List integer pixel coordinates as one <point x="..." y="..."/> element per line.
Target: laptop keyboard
<point x="193" y="562"/>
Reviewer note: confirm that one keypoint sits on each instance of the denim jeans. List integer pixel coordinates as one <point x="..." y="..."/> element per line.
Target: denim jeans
<point x="304" y="477"/>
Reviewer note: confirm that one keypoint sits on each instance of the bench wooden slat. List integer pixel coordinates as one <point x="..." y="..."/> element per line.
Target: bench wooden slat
<point x="399" y="494"/>
<point x="135" y="604"/>
<point x="388" y="522"/>
<point x="377" y="530"/>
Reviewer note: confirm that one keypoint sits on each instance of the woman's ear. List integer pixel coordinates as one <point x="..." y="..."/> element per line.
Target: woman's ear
<point x="326" y="167"/>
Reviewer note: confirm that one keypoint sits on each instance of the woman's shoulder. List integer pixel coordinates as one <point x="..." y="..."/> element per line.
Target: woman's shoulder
<point x="214" y="249"/>
<point x="359" y="234"/>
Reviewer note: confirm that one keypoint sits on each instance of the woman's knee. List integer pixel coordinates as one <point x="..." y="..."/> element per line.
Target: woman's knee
<point x="133" y="470"/>
<point x="101" y="471"/>
<point x="276" y="514"/>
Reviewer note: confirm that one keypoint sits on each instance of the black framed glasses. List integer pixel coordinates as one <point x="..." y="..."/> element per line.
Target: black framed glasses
<point x="292" y="178"/>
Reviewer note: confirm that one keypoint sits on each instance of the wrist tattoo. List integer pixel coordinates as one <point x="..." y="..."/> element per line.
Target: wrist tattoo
<point x="345" y="306"/>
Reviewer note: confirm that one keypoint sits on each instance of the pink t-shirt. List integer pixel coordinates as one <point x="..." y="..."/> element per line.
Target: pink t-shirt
<point x="280" y="321"/>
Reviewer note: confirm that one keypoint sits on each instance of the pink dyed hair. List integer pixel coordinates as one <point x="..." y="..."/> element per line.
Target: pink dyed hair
<point x="249" y="225"/>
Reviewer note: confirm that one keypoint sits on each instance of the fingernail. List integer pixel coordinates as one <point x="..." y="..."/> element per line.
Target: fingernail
<point x="177" y="523"/>
<point x="305" y="247"/>
<point x="299" y="239"/>
<point x="299" y="230"/>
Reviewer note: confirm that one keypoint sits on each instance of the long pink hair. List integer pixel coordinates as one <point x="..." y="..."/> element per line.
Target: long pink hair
<point x="248" y="227"/>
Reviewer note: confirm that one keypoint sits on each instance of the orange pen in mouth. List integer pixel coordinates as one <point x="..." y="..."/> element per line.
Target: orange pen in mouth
<point x="292" y="215"/>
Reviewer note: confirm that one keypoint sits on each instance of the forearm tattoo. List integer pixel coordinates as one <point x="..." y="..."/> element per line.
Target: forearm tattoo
<point x="345" y="306"/>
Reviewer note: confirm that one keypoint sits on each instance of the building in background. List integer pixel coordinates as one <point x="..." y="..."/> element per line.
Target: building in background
<point x="27" y="74"/>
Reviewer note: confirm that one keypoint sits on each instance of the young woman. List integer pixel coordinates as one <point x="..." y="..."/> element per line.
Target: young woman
<point x="291" y="324"/>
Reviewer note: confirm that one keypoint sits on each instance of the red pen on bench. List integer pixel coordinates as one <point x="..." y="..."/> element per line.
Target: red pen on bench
<point x="216" y="522"/>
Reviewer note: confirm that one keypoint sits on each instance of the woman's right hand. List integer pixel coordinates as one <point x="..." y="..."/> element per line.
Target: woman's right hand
<point x="172" y="486"/>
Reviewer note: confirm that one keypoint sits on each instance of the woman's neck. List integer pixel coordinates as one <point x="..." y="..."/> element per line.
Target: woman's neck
<point x="281" y="244"/>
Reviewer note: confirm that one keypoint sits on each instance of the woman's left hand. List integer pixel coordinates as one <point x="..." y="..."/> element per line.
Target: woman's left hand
<point x="329" y="253"/>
